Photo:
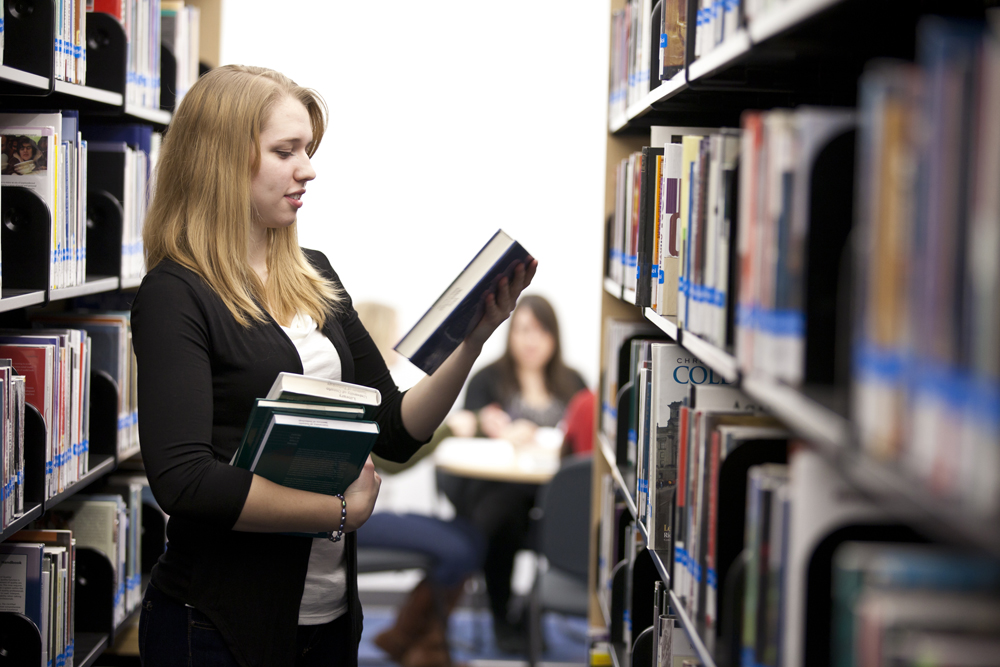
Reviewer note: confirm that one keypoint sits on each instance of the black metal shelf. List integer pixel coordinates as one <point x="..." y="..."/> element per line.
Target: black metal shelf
<point x="692" y="632"/>
<point x="13" y="299"/>
<point x="94" y="285"/>
<point x="22" y="78"/>
<point x="616" y="473"/>
<point x="20" y="522"/>
<point x="99" y="467"/>
<point x="88" y="647"/>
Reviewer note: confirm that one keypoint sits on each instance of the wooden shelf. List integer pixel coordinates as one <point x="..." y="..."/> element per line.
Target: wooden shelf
<point x="99" y="467"/>
<point x="19" y="298"/>
<point x="612" y="288"/>
<point x="665" y="324"/>
<point x="23" y="78"/>
<point x="88" y="93"/>
<point x="94" y="285"/>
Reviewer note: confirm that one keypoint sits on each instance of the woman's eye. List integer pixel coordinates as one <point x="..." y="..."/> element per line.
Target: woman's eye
<point x="284" y="154"/>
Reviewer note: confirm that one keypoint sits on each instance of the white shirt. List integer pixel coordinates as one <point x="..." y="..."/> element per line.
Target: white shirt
<point x="325" y="595"/>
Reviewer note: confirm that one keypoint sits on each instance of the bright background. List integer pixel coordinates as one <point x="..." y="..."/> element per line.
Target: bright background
<point x="449" y="120"/>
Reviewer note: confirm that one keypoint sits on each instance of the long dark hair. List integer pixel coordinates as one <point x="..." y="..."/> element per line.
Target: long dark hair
<point x="560" y="381"/>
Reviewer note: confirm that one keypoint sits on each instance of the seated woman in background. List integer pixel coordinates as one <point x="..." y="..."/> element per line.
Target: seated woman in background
<point x="418" y="638"/>
<point x="527" y="388"/>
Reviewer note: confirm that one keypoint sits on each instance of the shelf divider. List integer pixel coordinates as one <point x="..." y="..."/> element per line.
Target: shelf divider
<point x="666" y="325"/>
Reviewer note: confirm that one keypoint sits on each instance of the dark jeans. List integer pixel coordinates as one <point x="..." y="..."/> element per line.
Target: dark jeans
<point x="172" y="634"/>
<point x="456" y="546"/>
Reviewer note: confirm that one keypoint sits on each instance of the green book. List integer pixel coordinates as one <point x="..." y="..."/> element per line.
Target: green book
<point x="318" y="454"/>
<point x="264" y="409"/>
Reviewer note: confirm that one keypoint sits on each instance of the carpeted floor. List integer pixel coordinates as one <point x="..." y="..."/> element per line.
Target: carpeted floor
<point x="472" y="641"/>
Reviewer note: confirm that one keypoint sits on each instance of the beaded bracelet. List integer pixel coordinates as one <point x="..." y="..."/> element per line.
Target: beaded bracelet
<point x="335" y="537"/>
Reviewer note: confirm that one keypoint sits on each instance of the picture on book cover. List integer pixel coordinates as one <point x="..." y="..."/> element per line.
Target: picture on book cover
<point x="23" y="154"/>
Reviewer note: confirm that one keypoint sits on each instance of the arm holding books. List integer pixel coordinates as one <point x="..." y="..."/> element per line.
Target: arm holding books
<point x="426" y="404"/>
<point x="188" y="476"/>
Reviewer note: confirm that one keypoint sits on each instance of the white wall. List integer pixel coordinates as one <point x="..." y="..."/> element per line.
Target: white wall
<point x="449" y="120"/>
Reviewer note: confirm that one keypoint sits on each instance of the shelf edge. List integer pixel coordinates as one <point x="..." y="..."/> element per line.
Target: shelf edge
<point x="692" y="633"/>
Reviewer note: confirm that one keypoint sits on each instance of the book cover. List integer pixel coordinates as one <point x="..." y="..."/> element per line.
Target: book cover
<point x="460" y="308"/>
<point x="21" y="579"/>
<point x="321" y="455"/>
<point x="264" y="409"/>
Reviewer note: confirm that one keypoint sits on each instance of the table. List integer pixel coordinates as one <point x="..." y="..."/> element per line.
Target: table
<point x="501" y="460"/>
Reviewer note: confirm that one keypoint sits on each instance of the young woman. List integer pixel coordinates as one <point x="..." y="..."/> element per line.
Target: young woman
<point x="527" y="388"/>
<point x="230" y="301"/>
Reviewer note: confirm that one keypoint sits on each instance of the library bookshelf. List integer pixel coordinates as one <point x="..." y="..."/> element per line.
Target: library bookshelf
<point x="796" y="52"/>
<point x="28" y="81"/>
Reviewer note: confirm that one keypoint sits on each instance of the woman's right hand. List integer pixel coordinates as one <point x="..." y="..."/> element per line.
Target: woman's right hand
<point x="360" y="497"/>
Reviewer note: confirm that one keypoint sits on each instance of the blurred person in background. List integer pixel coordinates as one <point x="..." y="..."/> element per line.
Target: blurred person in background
<point x="418" y="637"/>
<point x="528" y="388"/>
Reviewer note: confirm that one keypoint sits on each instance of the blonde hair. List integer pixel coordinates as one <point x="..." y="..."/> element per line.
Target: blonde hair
<point x="202" y="208"/>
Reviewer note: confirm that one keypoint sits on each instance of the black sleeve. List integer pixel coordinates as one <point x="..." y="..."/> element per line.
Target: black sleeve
<point x="394" y="442"/>
<point x="483" y="389"/>
<point x="174" y="360"/>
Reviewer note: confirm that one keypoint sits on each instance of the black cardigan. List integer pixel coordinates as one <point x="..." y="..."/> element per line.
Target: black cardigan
<point x="199" y="372"/>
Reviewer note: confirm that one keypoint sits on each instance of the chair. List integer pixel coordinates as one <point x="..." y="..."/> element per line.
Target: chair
<point x="563" y="542"/>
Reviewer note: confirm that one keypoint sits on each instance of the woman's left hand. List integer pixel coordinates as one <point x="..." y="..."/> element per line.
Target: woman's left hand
<point x="500" y="303"/>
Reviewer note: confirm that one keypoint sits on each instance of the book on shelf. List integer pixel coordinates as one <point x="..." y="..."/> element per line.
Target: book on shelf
<point x="64" y="540"/>
<point x="180" y="25"/>
<point x="673" y="34"/>
<point x="867" y="571"/>
<point x="647" y="266"/>
<point x="21" y="573"/>
<point x="123" y="159"/>
<point x="99" y="522"/>
<point x="925" y="366"/>
<point x="12" y="395"/>
<point x="56" y="368"/>
<point x="109" y="335"/>
<point x="141" y="21"/>
<point x="455" y="313"/>
<point x="56" y="171"/>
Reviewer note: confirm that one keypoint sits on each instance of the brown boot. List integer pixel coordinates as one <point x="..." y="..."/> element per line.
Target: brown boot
<point x="432" y="649"/>
<point x="412" y="622"/>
